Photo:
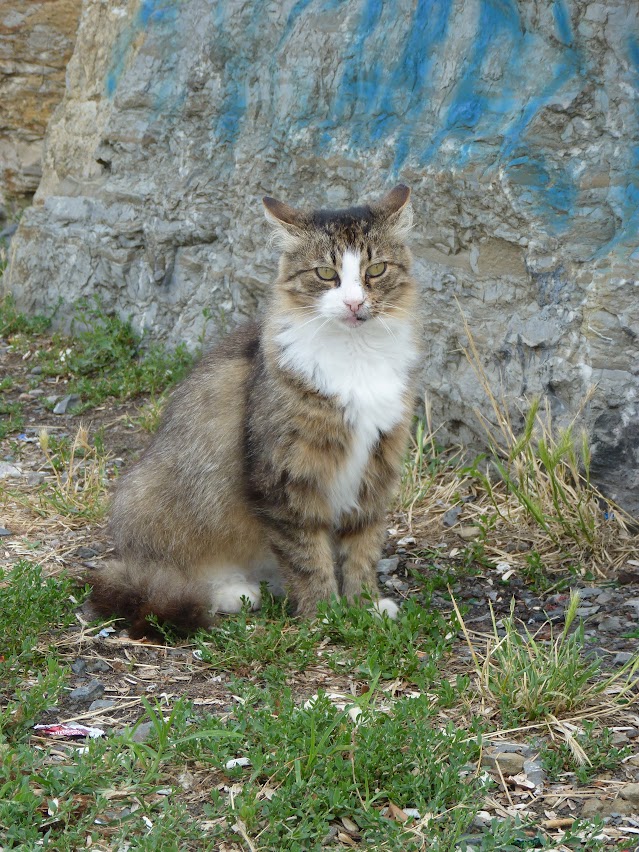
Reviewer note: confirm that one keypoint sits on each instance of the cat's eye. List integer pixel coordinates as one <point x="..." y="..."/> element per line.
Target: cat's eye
<point x="326" y="273"/>
<point x="376" y="269"/>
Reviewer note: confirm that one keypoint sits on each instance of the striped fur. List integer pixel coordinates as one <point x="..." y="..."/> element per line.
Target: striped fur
<point x="277" y="457"/>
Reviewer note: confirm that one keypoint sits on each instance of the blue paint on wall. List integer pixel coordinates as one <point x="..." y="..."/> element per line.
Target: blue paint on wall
<point x="150" y="13"/>
<point x="562" y="20"/>
<point x="625" y="199"/>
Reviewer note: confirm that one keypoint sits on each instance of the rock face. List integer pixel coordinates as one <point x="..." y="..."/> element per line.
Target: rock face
<point x="36" y="41"/>
<point x="515" y="123"/>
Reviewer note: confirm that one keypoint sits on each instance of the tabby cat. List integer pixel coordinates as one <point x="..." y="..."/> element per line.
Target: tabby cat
<point x="277" y="457"/>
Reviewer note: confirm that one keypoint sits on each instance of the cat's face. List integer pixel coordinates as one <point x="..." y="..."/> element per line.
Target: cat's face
<point x="345" y="266"/>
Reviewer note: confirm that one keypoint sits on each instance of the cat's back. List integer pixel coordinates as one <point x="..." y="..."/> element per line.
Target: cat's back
<point x="214" y="391"/>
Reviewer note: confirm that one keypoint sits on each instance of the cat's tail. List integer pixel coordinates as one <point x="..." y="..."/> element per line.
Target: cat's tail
<point x="135" y="593"/>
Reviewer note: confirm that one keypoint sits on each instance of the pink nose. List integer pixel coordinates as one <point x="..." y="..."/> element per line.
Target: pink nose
<point x="354" y="304"/>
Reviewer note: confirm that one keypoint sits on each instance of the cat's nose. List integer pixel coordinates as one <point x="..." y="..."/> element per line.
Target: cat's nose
<point x="354" y="304"/>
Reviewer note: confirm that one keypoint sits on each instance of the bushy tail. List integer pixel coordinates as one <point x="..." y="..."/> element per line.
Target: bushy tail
<point x="134" y="593"/>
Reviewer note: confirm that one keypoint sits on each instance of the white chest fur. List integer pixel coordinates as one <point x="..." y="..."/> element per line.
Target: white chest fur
<point x="367" y="368"/>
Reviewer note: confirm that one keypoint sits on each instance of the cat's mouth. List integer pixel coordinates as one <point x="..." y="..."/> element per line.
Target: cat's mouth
<point x="354" y="320"/>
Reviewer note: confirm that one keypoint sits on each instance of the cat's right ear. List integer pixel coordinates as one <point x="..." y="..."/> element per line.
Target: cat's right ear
<point x="287" y="222"/>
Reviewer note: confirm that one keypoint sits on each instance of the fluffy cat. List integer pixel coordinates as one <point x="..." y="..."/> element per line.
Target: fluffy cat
<point x="277" y="457"/>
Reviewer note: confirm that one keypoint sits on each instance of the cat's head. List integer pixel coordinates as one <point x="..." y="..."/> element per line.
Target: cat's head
<point x="348" y="266"/>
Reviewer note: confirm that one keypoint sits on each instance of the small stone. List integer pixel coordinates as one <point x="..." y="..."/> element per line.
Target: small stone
<point x="102" y="704"/>
<point x="67" y="403"/>
<point x="510" y="763"/>
<point x="585" y="611"/>
<point x="606" y="807"/>
<point x="468" y="533"/>
<point x="4" y="531"/>
<point x="85" y="552"/>
<point x="98" y="666"/>
<point x="142" y="732"/>
<point x="622" y="657"/>
<point x="36" y="392"/>
<point x="604" y="598"/>
<point x="451" y="517"/>
<point x="610" y="623"/>
<point x="79" y="667"/>
<point x="90" y="692"/>
<point x="630" y="792"/>
<point x="35" y="478"/>
<point x="36" y="371"/>
<point x="8" y="470"/>
<point x="388" y="566"/>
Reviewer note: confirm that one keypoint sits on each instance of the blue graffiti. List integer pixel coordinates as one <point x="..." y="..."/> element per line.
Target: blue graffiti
<point x="150" y="13"/>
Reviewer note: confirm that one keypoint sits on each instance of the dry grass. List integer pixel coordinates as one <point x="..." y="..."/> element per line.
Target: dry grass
<point x="530" y="679"/>
<point x="530" y="494"/>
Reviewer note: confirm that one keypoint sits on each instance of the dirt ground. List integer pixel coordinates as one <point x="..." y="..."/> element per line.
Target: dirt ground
<point x="128" y="670"/>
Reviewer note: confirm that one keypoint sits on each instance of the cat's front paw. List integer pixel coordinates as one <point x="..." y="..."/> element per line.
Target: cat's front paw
<point x="385" y="606"/>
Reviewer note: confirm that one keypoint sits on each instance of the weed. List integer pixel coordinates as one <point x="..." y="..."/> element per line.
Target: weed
<point x="585" y="753"/>
<point x="31" y="605"/>
<point x="149" y="415"/>
<point x="249" y="642"/>
<point x="316" y="766"/>
<point x="11" y="418"/>
<point x="13" y="322"/>
<point x="407" y="647"/>
<point x="79" y="468"/>
<point x="104" y="358"/>
<point x="530" y="679"/>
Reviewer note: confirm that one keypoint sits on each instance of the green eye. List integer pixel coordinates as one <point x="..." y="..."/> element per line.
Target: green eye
<point x="326" y="273"/>
<point x="376" y="269"/>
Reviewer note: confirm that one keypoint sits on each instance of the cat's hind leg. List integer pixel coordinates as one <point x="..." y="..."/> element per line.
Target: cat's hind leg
<point x="230" y="587"/>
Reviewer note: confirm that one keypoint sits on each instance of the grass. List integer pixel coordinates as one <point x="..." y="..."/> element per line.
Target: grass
<point x="530" y="679"/>
<point x="351" y="730"/>
<point x="586" y="753"/>
<point x="103" y="357"/>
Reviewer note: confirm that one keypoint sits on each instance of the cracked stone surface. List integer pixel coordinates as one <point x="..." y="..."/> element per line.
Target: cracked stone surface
<point x="516" y="125"/>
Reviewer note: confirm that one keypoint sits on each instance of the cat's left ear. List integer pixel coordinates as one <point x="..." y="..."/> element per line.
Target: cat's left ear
<point x="395" y="208"/>
<point x="287" y="221"/>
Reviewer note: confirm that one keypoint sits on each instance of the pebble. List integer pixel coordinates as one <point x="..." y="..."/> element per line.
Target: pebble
<point x="94" y="689"/>
<point x="388" y="566"/>
<point x="611" y="623"/>
<point x="622" y="657"/>
<point x="35" y="478"/>
<point x="468" y="533"/>
<point x="142" y="732"/>
<point x="630" y="792"/>
<point x="451" y="517"/>
<point x="4" y="531"/>
<point x="102" y="704"/>
<point x="36" y="371"/>
<point x="85" y="552"/>
<point x="98" y="666"/>
<point x="8" y="470"/>
<point x="67" y="403"/>
<point x="510" y="763"/>
<point x="79" y="667"/>
<point x="36" y="392"/>
<point x="585" y="611"/>
<point x="606" y="807"/>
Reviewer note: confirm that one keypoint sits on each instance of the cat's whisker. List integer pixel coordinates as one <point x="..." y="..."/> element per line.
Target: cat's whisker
<point x="312" y="319"/>
<point x="316" y="332"/>
<point x="387" y="327"/>
<point x="394" y="307"/>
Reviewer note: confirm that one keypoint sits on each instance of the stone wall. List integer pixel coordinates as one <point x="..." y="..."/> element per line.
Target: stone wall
<point x="36" y="41"/>
<point x="515" y="123"/>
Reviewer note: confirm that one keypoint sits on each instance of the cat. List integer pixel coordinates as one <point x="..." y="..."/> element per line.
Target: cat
<point x="276" y="459"/>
